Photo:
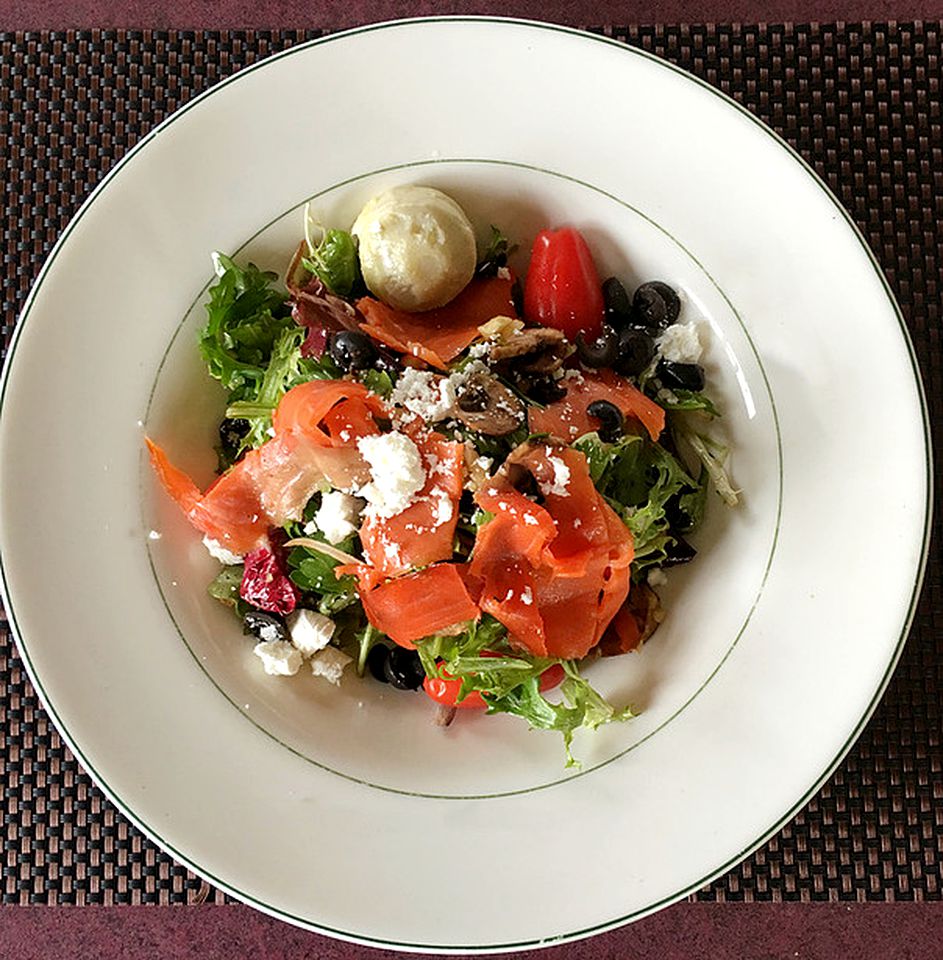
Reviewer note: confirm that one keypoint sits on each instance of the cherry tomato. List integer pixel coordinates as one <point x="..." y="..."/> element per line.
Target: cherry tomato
<point x="446" y="691"/>
<point x="563" y="288"/>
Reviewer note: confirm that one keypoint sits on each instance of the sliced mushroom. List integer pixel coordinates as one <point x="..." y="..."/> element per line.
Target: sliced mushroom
<point x="486" y="406"/>
<point x="532" y="350"/>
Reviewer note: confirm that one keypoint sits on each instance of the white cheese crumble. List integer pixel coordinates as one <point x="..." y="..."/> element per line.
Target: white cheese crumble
<point x="484" y="463"/>
<point x="310" y="631"/>
<point x="338" y="516"/>
<point x="219" y="552"/>
<point x="329" y="663"/>
<point x="656" y="577"/>
<point x="153" y="535"/>
<point x="279" y="658"/>
<point x="503" y="273"/>
<point x="396" y="470"/>
<point x="479" y="351"/>
<point x="429" y="396"/>
<point x="269" y="633"/>
<point x="680" y="343"/>
<point x="527" y="598"/>
<point x="442" y="507"/>
<point x="561" y="478"/>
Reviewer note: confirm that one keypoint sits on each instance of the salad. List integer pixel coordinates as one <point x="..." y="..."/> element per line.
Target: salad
<point x="444" y="477"/>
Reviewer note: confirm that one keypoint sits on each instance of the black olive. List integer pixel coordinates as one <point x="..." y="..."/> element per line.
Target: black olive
<point x="517" y="296"/>
<point x="403" y="669"/>
<point x="655" y="305"/>
<point x="264" y="626"/>
<point x="231" y="432"/>
<point x="679" y="518"/>
<point x="376" y="662"/>
<point x="472" y="397"/>
<point x="680" y="376"/>
<point x="545" y="390"/>
<point x="352" y="350"/>
<point x="618" y="304"/>
<point x="601" y="353"/>
<point x="610" y="418"/>
<point x="636" y="351"/>
<point x="388" y="362"/>
<point x="678" y="550"/>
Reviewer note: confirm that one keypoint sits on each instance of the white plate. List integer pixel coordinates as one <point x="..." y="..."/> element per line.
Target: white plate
<point x="349" y="813"/>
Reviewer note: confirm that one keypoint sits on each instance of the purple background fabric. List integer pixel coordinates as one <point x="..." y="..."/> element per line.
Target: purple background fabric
<point x="333" y="14"/>
<point x="687" y="931"/>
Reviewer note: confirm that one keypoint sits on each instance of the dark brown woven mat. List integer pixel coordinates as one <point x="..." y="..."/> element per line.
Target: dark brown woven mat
<point x="860" y="102"/>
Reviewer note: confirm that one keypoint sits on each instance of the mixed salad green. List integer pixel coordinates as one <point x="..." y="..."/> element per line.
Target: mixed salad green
<point x="474" y="499"/>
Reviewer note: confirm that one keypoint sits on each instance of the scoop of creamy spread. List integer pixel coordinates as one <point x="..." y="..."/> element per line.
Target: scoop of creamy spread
<point x="417" y="247"/>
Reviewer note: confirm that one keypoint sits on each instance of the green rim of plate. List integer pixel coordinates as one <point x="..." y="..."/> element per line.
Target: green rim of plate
<point x="804" y="798"/>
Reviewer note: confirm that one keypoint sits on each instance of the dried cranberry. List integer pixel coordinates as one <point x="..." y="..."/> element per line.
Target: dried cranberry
<point x="265" y="584"/>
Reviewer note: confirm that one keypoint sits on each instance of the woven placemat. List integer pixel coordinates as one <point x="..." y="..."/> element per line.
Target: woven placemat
<point x="861" y="102"/>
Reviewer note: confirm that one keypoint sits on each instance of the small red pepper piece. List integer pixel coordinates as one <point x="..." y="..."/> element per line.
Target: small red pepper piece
<point x="563" y="289"/>
<point x="446" y="690"/>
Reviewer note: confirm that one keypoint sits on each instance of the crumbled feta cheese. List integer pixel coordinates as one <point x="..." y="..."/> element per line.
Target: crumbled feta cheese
<point x="396" y="470"/>
<point x="310" y="631"/>
<point x="425" y="394"/>
<point x="279" y="658"/>
<point x="527" y="598"/>
<point x="680" y="343"/>
<point x="484" y="463"/>
<point x="269" y="633"/>
<point x="530" y="520"/>
<point x="220" y="553"/>
<point x="573" y="376"/>
<point x="338" y="516"/>
<point x="442" y="507"/>
<point x="478" y="351"/>
<point x="656" y="577"/>
<point x="561" y="478"/>
<point x="270" y="431"/>
<point x="329" y="663"/>
<point x="503" y="273"/>
<point x="153" y="535"/>
<point x="310" y="528"/>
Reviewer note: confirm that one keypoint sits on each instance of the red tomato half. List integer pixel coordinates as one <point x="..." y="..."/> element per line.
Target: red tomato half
<point x="563" y="288"/>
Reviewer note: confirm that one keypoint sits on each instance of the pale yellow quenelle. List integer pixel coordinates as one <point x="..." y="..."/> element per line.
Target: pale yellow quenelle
<point x="417" y="247"/>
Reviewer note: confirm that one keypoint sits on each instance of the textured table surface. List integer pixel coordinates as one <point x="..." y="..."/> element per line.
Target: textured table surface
<point x="861" y="102"/>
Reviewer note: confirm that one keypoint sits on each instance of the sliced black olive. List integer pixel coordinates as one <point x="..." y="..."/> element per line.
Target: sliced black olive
<point x="376" y="662"/>
<point x="231" y="432"/>
<point x="264" y="626"/>
<point x="610" y="418"/>
<point x="471" y="396"/>
<point x="679" y="518"/>
<point x="517" y="296"/>
<point x="636" y="351"/>
<point x="544" y="390"/>
<point x="678" y="550"/>
<point x="403" y="669"/>
<point x="601" y="353"/>
<point x="618" y="304"/>
<point x="680" y="376"/>
<point x="352" y="350"/>
<point x="655" y="305"/>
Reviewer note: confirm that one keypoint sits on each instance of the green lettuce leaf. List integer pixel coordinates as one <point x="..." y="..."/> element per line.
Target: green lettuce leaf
<point x="509" y="681"/>
<point x="245" y="316"/>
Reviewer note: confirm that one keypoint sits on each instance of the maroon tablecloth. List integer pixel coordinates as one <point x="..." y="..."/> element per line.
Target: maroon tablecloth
<point x="71" y="104"/>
